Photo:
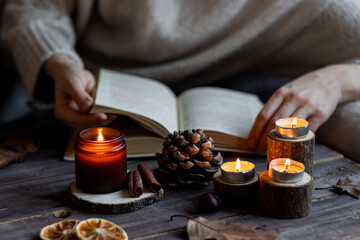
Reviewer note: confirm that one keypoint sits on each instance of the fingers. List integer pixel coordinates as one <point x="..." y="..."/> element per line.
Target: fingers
<point x="73" y="86"/>
<point x="83" y="120"/>
<point x="81" y="97"/>
<point x="283" y="112"/>
<point x="69" y="114"/>
<point x="307" y="97"/>
<point x="315" y="117"/>
<point x="80" y="88"/>
<point x="67" y="111"/>
<point x="289" y="108"/>
<point x="314" y="123"/>
<point x="76" y="119"/>
<point x="90" y="84"/>
<point x="263" y="119"/>
<point x="262" y="144"/>
<point x="284" y="103"/>
<point x="318" y="118"/>
<point x="73" y="100"/>
<point x="91" y="123"/>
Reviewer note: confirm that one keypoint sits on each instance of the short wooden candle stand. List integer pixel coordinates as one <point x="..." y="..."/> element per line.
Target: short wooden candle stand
<point x="300" y="149"/>
<point x="115" y="202"/>
<point x="242" y="194"/>
<point x="285" y="200"/>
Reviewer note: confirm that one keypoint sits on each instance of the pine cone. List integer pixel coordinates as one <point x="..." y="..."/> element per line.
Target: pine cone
<point x="187" y="160"/>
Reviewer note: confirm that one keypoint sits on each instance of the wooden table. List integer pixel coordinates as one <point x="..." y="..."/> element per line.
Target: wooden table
<point x="32" y="192"/>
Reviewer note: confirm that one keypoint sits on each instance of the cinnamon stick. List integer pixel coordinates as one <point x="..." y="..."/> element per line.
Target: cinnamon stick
<point x="149" y="178"/>
<point x="135" y="185"/>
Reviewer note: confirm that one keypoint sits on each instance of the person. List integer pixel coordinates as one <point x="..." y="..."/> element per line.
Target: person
<point x="186" y="43"/>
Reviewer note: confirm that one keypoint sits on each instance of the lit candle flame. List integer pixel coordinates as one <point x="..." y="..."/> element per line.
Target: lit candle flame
<point x="238" y="164"/>
<point x="287" y="164"/>
<point x="294" y="123"/>
<point x="100" y="137"/>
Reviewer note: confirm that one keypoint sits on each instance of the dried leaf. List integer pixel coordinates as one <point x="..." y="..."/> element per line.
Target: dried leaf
<point x="200" y="228"/>
<point x="348" y="185"/>
<point x="14" y="149"/>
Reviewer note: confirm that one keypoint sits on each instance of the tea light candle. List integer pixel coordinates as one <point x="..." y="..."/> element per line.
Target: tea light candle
<point x="100" y="160"/>
<point x="237" y="171"/>
<point x="286" y="170"/>
<point x="291" y="127"/>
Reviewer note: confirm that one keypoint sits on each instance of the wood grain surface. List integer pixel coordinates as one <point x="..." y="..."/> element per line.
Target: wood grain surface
<point x="33" y="194"/>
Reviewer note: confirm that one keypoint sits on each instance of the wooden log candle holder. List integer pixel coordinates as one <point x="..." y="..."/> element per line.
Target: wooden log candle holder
<point x="241" y="194"/>
<point x="298" y="148"/>
<point x="285" y="200"/>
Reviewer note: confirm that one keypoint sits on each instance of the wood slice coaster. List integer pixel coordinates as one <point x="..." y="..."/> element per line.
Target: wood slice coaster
<point x="298" y="149"/>
<point x="285" y="200"/>
<point x="241" y="194"/>
<point x="115" y="202"/>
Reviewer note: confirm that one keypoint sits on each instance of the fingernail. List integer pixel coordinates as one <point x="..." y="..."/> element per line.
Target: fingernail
<point x="88" y="104"/>
<point x="102" y="117"/>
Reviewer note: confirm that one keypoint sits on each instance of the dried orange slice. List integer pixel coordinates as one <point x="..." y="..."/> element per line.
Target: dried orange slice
<point x="64" y="230"/>
<point x="100" y="229"/>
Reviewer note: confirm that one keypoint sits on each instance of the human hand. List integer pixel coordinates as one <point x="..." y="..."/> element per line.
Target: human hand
<point x="313" y="96"/>
<point x="73" y="86"/>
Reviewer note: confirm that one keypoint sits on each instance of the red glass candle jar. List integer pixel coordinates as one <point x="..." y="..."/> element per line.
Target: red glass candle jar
<point x="100" y="160"/>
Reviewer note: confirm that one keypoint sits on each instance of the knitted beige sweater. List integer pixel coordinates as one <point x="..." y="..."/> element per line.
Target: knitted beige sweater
<point x="184" y="42"/>
<point x="188" y="40"/>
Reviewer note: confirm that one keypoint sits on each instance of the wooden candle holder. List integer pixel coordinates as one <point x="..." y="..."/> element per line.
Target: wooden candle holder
<point x="300" y="149"/>
<point x="285" y="200"/>
<point x="242" y="194"/>
<point x="115" y="202"/>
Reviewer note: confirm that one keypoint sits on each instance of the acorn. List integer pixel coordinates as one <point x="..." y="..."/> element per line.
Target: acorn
<point x="210" y="202"/>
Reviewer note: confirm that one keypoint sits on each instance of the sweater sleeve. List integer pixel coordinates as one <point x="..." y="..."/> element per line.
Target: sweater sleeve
<point x="33" y="31"/>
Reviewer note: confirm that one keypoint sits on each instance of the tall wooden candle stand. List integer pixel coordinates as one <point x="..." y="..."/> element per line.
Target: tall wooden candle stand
<point x="285" y="200"/>
<point x="299" y="148"/>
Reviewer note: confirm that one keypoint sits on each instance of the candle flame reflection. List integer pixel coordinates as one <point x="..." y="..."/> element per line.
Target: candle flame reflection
<point x="294" y="123"/>
<point x="100" y="137"/>
<point x="238" y="164"/>
<point x="287" y="164"/>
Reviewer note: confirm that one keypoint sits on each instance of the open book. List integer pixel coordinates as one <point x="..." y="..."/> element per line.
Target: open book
<point x="148" y="110"/>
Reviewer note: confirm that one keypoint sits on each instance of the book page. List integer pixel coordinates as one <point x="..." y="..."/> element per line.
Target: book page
<point x="142" y="99"/>
<point x="217" y="109"/>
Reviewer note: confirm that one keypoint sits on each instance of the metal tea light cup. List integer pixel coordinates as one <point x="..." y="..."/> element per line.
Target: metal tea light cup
<point x="284" y="128"/>
<point x="285" y="177"/>
<point x="237" y="177"/>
